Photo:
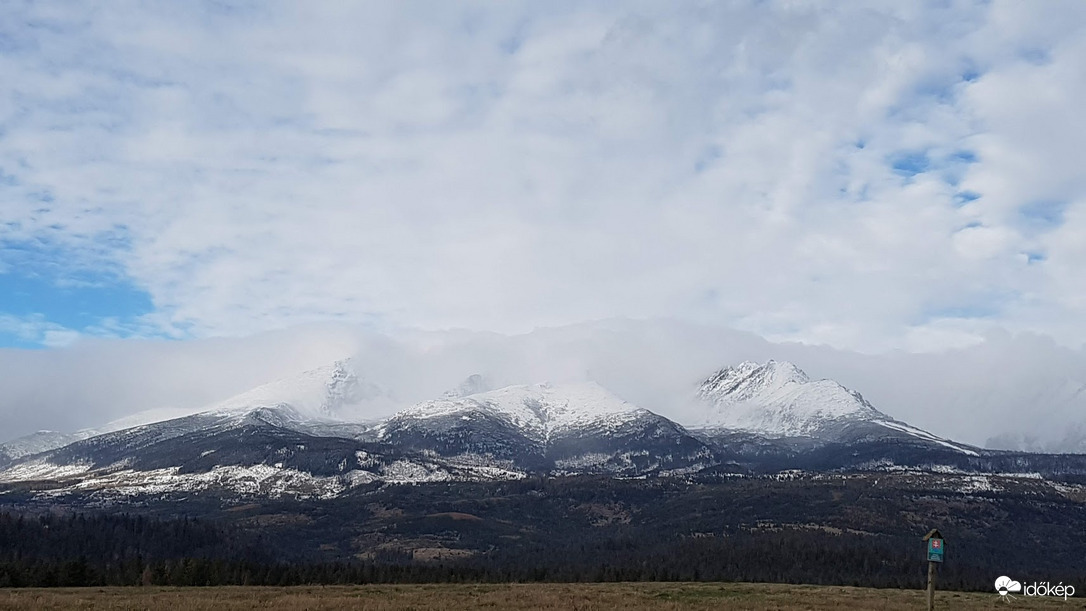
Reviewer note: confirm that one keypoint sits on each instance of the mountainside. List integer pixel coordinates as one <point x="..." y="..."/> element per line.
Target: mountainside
<point x="317" y="395"/>
<point x="250" y="451"/>
<point x="580" y="427"/>
<point x="252" y="445"/>
<point x="777" y="400"/>
<point x="283" y="439"/>
<point x="324" y="391"/>
<point x="43" y="441"/>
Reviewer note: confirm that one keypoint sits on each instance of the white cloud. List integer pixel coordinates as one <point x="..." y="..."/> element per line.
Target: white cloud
<point x="34" y="329"/>
<point x="503" y="167"/>
<point x="1010" y="391"/>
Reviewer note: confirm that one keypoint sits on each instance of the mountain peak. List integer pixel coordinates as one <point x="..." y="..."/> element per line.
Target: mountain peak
<point x="322" y="391"/>
<point x="778" y="399"/>
<point x="474" y="384"/>
<point x="537" y="408"/>
<point x="749" y="378"/>
<point x="341" y="388"/>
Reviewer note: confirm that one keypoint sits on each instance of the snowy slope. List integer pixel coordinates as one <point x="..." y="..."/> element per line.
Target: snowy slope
<point x="323" y="391"/>
<point x="540" y="411"/>
<point x="43" y="441"/>
<point x="317" y="395"/>
<point x="777" y="399"/>
<point x="283" y="438"/>
<point x="576" y="428"/>
<point x="245" y="450"/>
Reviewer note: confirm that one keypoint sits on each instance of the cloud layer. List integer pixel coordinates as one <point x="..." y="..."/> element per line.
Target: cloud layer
<point x="870" y="176"/>
<point x="1018" y="392"/>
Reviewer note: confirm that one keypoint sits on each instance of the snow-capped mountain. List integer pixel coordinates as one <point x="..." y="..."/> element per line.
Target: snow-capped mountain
<point x="318" y="396"/>
<point x="271" y="426"/>
<point x="778" y="400"/>
<point x="277" y="439"/>
<point x="282" y="438"/>
<point x="324" y="391"/>
<point x="577" y="426"/>
<point x="540" y="410"/>
<point x="241" y="450"/>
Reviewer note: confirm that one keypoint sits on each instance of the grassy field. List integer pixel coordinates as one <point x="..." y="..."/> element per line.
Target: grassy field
<point x="583" y="597"/>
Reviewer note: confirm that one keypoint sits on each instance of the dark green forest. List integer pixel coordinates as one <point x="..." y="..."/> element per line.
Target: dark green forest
<point x="854" y="531"/>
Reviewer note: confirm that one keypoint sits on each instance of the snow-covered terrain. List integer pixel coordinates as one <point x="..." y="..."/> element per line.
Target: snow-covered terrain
<point x="247" y="480"/>
<point x="921" y="434"/>
<point x="43" y="441"/>
<point x="539" y="410"/>
<point x="565" y="428"/>
<point x="324" y="391"/>
<point x="777" y="399"/>
<point x="317" y="396"/>
<point x="284" y="438"/>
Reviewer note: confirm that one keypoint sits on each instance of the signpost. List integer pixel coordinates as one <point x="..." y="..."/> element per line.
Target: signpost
<point x="936" y="549"/>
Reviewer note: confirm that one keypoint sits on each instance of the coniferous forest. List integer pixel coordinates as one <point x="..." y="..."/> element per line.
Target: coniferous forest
<point x="851" y="531"/>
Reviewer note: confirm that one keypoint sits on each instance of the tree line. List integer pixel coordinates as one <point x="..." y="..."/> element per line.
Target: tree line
<point x="131" y="550"/>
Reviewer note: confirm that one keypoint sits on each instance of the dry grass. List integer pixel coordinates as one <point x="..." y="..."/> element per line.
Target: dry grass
<point x="584" y="597"/>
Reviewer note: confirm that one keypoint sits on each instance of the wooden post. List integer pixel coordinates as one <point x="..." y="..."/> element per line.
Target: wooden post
<point x="936" y="549"/>
<point x="931" y="586"/>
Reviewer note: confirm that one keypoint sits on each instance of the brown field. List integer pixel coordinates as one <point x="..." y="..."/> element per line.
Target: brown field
<point x="583" y="597"/>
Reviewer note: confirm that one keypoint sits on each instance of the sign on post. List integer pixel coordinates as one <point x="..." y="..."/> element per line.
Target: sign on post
<point x="935" y="550"/>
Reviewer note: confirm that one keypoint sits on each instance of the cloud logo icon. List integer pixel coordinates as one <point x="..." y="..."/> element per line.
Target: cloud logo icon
<point x="1005" y="585"/>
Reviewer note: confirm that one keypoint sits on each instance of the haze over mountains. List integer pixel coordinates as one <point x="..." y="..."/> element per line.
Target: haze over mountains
<point x="976" y="395"/>
<point x="295" y="436"/>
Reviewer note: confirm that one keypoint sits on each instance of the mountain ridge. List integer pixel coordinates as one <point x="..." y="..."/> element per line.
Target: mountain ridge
<point x="286" y="437"/>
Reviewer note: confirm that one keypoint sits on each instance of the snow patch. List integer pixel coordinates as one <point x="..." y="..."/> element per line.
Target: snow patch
<point x="901" y="426"/>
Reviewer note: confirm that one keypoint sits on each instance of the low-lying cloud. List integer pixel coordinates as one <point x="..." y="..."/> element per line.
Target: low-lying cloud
<point x="1013" y="392"/>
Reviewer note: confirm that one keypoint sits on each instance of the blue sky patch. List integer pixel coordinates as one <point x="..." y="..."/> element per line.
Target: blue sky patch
<point x="964" y="156"/>
<point x="962" y="198"/>
<point x="72" y="303"/>
<point x="910" y="163"/>
<point x="42" y="285"/>
<point x="1044" y="215"/>
<point x="954" y="165"/>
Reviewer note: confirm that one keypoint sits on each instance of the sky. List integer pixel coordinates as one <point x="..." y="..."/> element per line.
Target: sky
<point x="877" y="178"/>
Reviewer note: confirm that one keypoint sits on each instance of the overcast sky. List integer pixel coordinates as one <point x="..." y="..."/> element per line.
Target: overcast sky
<point x="869" y="177"/>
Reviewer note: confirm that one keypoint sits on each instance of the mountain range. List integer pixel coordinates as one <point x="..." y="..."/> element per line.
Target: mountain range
<point x="288" y="438"/>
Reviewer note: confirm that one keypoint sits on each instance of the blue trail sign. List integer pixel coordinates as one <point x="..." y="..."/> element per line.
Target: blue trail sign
<point x="935" y="550"/>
